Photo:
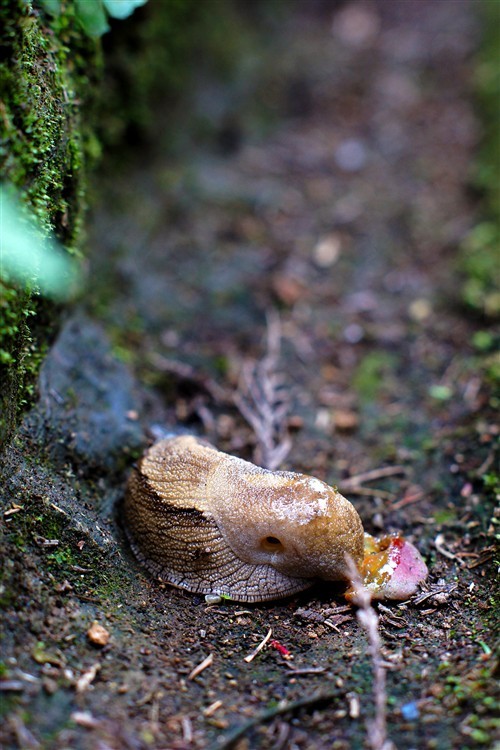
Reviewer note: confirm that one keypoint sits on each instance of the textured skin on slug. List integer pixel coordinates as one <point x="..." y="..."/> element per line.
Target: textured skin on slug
<point x="214" y="524"/>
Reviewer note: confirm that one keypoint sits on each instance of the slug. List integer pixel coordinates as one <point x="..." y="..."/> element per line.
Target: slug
<point x="212" y="523"/>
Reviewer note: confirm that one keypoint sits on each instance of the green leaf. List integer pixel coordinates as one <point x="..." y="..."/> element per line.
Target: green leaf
<point x="92" y="17"/>
<point x="122" y="8"/>
<point x="28" y="257"/>
<point x="440" y="392"/>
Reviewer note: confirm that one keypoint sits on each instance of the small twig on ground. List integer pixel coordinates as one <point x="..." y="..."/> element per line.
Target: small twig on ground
<point x="439" y="593"/>
<point x="212" y="708"/>
<point x="261" y="645"/>
<point x="87" y="678"/>
<point x="366" y="491"/>
<point x="484" y="556"/>
<point x="408" y="500"/>
<point x="200" y="667"/>
<point x="264" y="402"/>
<point x="298" y="671"/>
<point x="439" y="542"/>
<point x="184" y="372"/>
<point x="369" y="621"/>
<point x="187" y="729"/>
<point x="284" y="730"/>
<point x="353" y="485"/>
<point x="486" y="464"/>
<point x="369" y="476"/>
<point x="229" y="739"/>
<point x="23" y="735"/>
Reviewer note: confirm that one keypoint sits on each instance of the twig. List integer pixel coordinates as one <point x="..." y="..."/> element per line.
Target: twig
<point x="203" y="665"/>
<point x="261" y="645"/>
<point x="212" y="708"/>
<point x="369" y="621"/>
<point x="226" y="741"/>
<point x="407" y="500"/>
<point x="439" y="592"/>
<point x="340" y="620"/>
<point x="486" y="464"/>
<point x="187" y="729"/>
<point x="264" y="402"/>
<point x="87" y="678"/>
<point x="382" y="494"/>
<point x="439" y="545"/>
<point x="297" y="671"/>
<point x="283" y="735"/>
<point x="484" y="556"/>
<point x="23" y="735"/>
<point x="369" y="476"/>
<point x="13" y="686"/>
<point x="185" y="372"/>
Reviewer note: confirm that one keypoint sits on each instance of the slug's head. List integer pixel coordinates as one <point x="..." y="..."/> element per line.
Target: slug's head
<point x="295" y="523"/>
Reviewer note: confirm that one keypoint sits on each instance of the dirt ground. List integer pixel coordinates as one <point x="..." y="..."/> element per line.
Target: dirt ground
<point x="328" y="186"/>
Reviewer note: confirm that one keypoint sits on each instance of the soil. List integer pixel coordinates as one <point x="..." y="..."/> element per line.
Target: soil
<point x="326" y="187"/>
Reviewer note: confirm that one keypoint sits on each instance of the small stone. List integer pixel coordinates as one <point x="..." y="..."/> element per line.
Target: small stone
<point x="295" y="423"/>
<point x="356" y="25"/>
<point x="345" y="420"/>
<point x="351" y="155"/>
<point x="353" y="333"/>
<point x="63" y="587"/>
<point x="98" y="635"/>
<point x="49" y="685"/>
<point x="354" y="705"/>
<point x="288" y="289"/>
<point x="84" y="719"/>
<point x="326" y="252"/>
<point x="419" y="310"/>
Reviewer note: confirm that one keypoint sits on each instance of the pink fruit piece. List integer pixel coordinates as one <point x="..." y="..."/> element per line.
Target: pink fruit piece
<point x="391" y="569"/>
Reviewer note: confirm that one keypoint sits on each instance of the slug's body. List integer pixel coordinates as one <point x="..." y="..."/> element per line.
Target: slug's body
<point x="215" y="524"/>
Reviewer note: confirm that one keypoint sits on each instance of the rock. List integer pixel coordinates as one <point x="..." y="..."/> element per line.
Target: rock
<point x="98" y="635"/>
<point x="87" y="399"/>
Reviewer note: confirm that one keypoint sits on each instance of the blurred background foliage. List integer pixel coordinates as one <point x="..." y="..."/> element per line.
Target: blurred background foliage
<point x="93" y="16"/>
<point x="78" y="80"/>
<point x="480" y="255"/>
<point x="75" y="85"/>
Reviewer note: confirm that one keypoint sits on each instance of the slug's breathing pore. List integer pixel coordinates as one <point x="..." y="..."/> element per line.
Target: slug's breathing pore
<point x="212" y="523"/>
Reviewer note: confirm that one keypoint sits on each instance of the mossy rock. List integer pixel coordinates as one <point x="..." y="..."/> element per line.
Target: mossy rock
<point x="46" y="76"/>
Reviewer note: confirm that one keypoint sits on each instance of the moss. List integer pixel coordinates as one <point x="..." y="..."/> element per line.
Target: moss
<point x="481" y="249"/>
<point x="147" y="56"/>
<point x="373" y="373"/>
<point x="43" y="151"/>
<point x="475" y="690"/>
<point x="48" y="534"/>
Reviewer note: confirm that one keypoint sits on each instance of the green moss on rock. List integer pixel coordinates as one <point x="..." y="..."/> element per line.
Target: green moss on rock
<point x="44" y="88"/>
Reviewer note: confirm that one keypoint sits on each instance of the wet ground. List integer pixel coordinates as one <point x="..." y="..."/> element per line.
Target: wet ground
<point x="321" y="196"/>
